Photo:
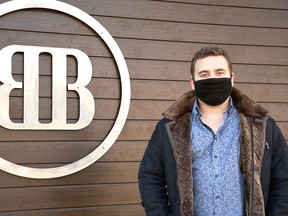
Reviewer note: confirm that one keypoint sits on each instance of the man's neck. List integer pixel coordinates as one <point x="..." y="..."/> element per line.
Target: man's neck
<point x="213" y="115"/>
<point x="214" y="110"/>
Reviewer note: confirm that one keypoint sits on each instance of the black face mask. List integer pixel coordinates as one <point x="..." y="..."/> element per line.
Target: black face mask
<point x="213" y="91"/>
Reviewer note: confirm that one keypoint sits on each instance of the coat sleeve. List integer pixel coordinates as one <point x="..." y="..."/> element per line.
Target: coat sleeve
<point x="278" y="190"/>
<point x="151" y="176"/>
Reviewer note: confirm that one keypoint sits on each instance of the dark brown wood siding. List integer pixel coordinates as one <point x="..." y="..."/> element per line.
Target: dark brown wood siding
<point x="158" y="39"/>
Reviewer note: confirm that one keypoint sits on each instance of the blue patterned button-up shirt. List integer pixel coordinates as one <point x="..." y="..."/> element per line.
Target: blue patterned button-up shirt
<point x="217" y="180"/>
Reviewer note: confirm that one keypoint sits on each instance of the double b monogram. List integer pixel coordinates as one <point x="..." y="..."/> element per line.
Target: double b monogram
<point x="59" y="87"/>
<point x="30" y="86"/>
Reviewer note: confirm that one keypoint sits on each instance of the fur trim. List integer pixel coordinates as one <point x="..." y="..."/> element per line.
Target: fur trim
<point x="180" y="131"/>
<point x="242" y="102"/>
<point x="180" y="106"/>
<point x="246" y="105"/>
<point x="259" y="127"/>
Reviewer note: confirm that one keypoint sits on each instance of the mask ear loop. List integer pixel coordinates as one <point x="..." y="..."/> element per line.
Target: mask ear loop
<point x="252" y="168"/>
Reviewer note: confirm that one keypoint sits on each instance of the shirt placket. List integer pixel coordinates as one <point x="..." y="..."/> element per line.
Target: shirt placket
<point x="216" y="163"/>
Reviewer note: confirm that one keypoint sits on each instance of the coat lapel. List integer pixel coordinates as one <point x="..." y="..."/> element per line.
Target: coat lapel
<point x="181" y="144"/>
<point x="256" y="203"/>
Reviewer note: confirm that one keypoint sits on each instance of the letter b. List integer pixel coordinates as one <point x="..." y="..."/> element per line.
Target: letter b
<point x="59" y="88"/>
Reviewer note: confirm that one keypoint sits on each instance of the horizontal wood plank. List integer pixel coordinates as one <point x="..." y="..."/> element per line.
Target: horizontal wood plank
<point x="197" y="33"/>
<point x="147" y="29"/>
<point x="45" y="104"/>
<point x="165" y="70"/>
<point x="265" y="92"/>
<point x="68" y="196"/>
<point x="145" y="49"/>
<point x="139" y="109"/>
<point x="278" y="111"/>
<point x="99" y="87"/>
<point x="156" y="50"/>
<point x="118" y="210"/>
<point x="67" y="152"/>
<point x="92" y="132"/>
<point x="280" y="4"/>
<point x="167" y="90"/>
<point x="164" y="90"/>
<point x="98" y="173"/>
<point x="169" y="11"/>
<point x="180" y="71"/>
<point x="96" y="131"/>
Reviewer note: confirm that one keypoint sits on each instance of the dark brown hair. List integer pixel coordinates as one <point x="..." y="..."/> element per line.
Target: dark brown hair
<point x="209" y="51"/>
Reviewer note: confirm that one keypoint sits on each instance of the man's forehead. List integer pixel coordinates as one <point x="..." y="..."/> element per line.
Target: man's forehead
<point x="211" y="62"/>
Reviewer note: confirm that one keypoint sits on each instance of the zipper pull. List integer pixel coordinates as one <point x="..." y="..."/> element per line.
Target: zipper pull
<point x="267" y="145"/>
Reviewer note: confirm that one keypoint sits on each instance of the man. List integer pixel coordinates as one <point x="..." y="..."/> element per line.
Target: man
<point x="216" y="151"/>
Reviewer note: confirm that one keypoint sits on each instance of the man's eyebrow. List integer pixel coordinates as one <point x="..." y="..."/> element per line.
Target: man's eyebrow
<point x="220" y="69"/>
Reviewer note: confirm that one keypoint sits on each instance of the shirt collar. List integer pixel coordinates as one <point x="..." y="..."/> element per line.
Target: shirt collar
<point x="196" y="108"/>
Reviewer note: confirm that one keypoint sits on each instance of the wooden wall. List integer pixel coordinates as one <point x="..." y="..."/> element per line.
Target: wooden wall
<point x="158" y="40"/>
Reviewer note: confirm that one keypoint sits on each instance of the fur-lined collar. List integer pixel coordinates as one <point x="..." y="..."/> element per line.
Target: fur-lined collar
<point x="242" y="102"/>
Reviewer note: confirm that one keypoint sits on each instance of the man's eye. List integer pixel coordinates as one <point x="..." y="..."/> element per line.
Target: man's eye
<point x="221" y="73"/>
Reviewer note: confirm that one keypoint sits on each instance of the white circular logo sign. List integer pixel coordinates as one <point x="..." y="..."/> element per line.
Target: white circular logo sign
<point x="45" y="173"/>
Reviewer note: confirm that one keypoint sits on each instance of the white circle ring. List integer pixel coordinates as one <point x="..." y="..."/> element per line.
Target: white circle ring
<point x="55" y="172"/>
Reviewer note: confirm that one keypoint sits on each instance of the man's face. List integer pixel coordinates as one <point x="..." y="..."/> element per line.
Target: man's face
<point x="211" y="67"/>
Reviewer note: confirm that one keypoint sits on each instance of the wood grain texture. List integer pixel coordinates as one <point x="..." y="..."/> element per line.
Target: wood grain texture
<point x="117" y="210"/>
<point x="68" y="196"/>
<point x="158" y="40"/>
<point x="280" y="4"/>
